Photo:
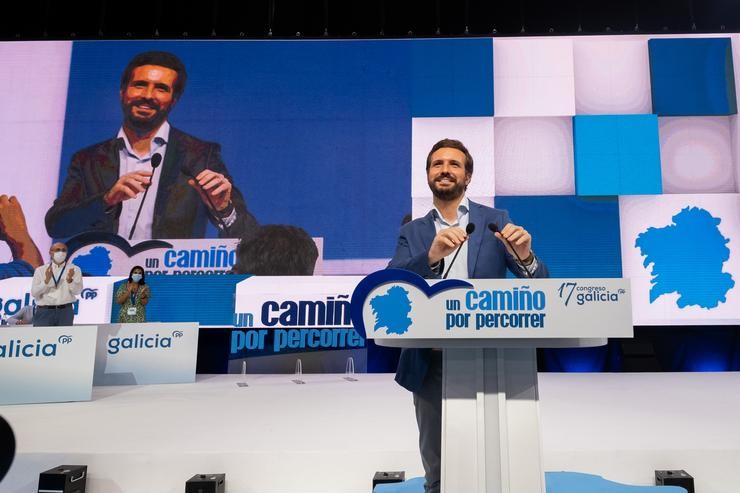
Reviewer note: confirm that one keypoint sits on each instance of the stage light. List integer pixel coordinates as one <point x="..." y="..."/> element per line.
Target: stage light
<point x="64" y="479"/>
<point x="385" y="477"/>
<point x="675" y="478"/>
<point x="206" y="483"/>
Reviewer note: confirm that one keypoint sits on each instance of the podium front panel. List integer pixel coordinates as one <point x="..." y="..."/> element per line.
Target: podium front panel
<point x="146" y="353"/>
<point x="46" y="364"/>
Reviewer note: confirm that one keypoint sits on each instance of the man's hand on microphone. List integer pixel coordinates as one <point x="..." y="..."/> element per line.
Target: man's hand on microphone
<point x="517" y="238"/>
<point x="127" y="187"/>
<point x="215" y="185"/>
<point x="445" y="243"/>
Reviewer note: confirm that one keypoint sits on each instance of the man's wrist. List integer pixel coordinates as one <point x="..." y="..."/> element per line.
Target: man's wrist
<point x="226" y="211"/>
<point x="227" y="217"/>
<point x="528" y="261"/>
<point x="15" y="244"/>
<point x="438" y="267"/>
<point x="433" y="260"/>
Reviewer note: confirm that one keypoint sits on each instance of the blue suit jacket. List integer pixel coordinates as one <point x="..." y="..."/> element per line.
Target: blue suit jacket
<point x="487" y="259"/>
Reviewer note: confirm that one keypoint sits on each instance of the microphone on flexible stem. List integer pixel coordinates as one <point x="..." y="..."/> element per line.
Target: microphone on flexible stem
<point x="468" y="230"/>
<point x="186" y="171"/>
<point x="156" y="160"/>
<point x="494" y="229"/>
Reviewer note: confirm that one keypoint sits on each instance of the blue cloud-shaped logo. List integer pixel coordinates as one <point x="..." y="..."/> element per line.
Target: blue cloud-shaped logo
<point x="372" y="281"/>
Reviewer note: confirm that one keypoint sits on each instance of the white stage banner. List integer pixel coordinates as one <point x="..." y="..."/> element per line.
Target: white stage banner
<point x="407" y="307"/>
<point x="306" y="301"/>
<point x="46" y="364"/>
<point x="93" y="305"/>
<point x="146" y="353"/>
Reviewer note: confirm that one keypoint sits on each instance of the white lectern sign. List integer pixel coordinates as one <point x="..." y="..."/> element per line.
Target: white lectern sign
<point x="498" y="309"/>
<point x="146" y="353"/>
<point x="46" y="364"/>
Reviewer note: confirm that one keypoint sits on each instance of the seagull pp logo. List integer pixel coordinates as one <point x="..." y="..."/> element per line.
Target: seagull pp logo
<point x="393" y="308"/>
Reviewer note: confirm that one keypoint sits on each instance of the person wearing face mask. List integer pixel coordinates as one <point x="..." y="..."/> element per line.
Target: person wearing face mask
<point x="55" y="288"/>
<point x="133" y="297"/>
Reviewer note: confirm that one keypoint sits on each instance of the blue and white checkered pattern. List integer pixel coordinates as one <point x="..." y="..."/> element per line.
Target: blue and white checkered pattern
<point x="578" y="125"/>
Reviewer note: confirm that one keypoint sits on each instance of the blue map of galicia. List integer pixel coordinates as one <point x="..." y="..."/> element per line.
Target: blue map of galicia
<point x="95" y="263"/>
<point x="688" y="257"/>
<point x="392" y="310"/>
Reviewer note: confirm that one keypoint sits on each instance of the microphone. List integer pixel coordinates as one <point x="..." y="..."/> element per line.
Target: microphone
<point x="468" y="230"/>
<point x="155" y="162"/>
<point x="187" y="172"/>
<point x="494" y="229"/>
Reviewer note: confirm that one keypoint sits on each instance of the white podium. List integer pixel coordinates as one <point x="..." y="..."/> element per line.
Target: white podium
<point x="46" y="364"/>
<point x="489" y="331"/>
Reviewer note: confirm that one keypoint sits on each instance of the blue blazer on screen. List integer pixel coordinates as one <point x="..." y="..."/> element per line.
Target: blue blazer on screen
<point x="487" y="259"/>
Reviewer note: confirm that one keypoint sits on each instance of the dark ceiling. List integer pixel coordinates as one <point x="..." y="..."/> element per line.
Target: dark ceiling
<point x="115" y="19"/>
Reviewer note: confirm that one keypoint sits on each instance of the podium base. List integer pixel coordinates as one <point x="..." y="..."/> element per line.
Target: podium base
<point x="490" y="422"/>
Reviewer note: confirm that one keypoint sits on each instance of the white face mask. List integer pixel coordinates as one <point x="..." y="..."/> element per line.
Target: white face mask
<point x="136" y="277"/>
<point x="59" y="257"/>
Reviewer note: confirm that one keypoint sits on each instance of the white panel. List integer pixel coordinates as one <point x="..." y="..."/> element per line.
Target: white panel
<point x="735" y="139"/>
<point x="33" y="99"/>
<point x="696" y="154"/>
<point x="533" y="77"/>
<point x="46" y="364"/>
<point x="420" y="206"/>
<point x="638" y="213"/>
<point x="612" y="75"/>
<point x="476" y="133"/>
<point x="353" y="267"/>
<point x="146" y="353"/>
<point x="534" y="156"/>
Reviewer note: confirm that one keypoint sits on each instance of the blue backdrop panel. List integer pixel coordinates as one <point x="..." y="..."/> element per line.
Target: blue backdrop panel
<point x="576" y="237"/>
<point x="616" y="155"/>
<point x="452" y="77"/>
<point x="692" y="77"/>
<point x="312" y="132"/>
<point x="208" y="300"/>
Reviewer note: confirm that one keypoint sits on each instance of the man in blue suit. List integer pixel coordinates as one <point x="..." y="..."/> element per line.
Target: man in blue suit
<point x="426" y="246"/>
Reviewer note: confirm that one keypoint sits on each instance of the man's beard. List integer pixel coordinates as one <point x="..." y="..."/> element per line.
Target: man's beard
<point x="447" y="194"/>
<point x="144" y="124"/>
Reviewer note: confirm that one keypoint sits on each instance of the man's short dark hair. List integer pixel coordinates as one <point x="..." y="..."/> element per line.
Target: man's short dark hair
<point x="161" y="59"/>
<point x="452" y="144"/>
<point x="276" y="250"/>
